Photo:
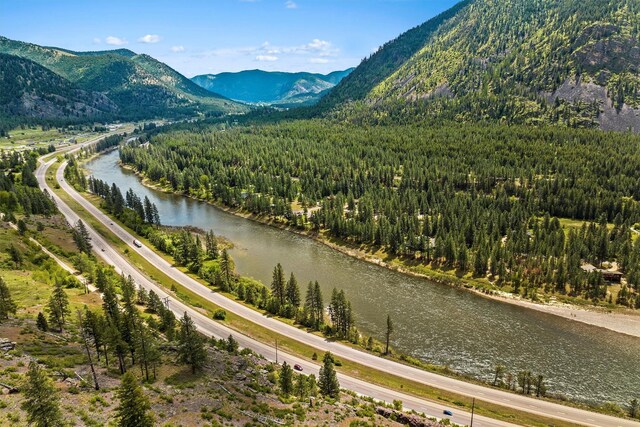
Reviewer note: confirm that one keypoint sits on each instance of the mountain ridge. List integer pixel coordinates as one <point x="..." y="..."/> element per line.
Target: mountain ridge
<point x="139" y="85"/>
<point x="271" y="87"/>
<point x="515" y="61"/>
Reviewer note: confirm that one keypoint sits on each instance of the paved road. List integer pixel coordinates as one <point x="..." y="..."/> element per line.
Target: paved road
<point x="342" y="351"/>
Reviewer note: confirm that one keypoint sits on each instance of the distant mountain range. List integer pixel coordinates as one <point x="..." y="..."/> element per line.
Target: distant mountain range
<point x="271" y="88"/>
<point x="50" y="82"/>
<point x="572" y="62"/>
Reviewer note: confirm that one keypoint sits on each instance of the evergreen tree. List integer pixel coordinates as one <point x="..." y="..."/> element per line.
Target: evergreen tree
<point x="286" y="379"/>
<point x="211" y="245"/>
<point x="41" y="322"/>
<point x="293" y="292"/>
<point x="22" y="227"/>
<point x="226" y="268"/>
<point x="15" y="254"/>
<point x="41" y="399"/>
<point x="58" y="306"/>
<point x="341" y="314"/>
<point x="190" y="344"/>
<point x="133" y="410"/>
<point x="388" y="334"/>
<point x="7" y="306"/>
<point x="328" y="379"/>
<point x="232" y="345"/>
<point x="81" y="237"/>
<point x="313" y="305"/>
<point x="301" y="387"/>
<point x="146" y="349"/>
<point x="278" y="285"/>
<point x="93" y="329"/>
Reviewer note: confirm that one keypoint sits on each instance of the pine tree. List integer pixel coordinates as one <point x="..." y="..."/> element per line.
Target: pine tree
<point x="226" y="268"/>
<point x="313" y="305"/>
<point x="41" y="322"/>
<point x="328" y="379"/>
<point x="7" y="306"/>
<point x="301" y="387"/>
<point x="190" y="344"/>
<point x="15" y="254"/>
<point x="278" y="285"/>
<point x="133" y="410"/>
<point x="286" y="379"/>
<point x="293" y="292"/>
<point x="211" y="245"/>
<point x="41" y="399"/>
<point x="58" y="306"/>
<point x="146" y="349"/>
<point x="81" y="237"/>
<point x="388" y="334"/>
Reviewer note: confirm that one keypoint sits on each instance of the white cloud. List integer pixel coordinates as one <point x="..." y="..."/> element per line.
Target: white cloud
<point x="177" y="49"/>
<point x="290" y="4"/>
<point x="115" y="41"/>
<point x="97" y="40"/>
<point x="317" y="44"/>
<point x="266" y="58"/>
<point x="149" y="38"/>
<point x="319" y="60"/>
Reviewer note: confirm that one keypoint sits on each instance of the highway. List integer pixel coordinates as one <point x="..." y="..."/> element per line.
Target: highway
<point x="210" y="327"/>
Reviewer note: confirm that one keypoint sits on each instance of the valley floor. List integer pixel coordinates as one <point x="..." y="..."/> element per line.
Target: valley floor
<point x="620" y="320"/>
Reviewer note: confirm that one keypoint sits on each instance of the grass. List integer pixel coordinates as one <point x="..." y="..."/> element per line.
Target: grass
<point x="289" y="345"/>
<point x="37" y="137"/>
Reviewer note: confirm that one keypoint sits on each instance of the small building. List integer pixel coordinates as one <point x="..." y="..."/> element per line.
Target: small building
<point x="609" y="276"/>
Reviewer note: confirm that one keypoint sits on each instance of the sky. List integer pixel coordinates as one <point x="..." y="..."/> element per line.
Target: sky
<point x="213" y="36"/>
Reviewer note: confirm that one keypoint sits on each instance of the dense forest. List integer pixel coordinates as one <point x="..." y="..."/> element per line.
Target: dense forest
<point x="19" y="191"/>
<point x="485" y="201"/>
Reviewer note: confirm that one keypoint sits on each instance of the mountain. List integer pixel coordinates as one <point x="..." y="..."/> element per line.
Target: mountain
<point x="572" y="62"/>
<point x="31" y="90"/>
<point x="138" y="85"/>
<point x="273" y="88"/>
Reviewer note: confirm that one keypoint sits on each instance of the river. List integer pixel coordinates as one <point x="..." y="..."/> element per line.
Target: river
<point x="436" y="323"/>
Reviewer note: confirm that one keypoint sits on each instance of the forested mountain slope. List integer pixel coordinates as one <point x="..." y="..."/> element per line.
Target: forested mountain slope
<point x="257" y="86"/>
<point x="28" y="89"/>
<point x="574" y="62"/>
<point x="138" y="85"/>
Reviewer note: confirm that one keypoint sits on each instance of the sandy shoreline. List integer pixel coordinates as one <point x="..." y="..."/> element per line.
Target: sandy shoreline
<point x="624" y="321"/>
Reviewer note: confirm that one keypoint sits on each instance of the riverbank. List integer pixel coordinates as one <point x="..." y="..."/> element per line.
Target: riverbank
<point x="618" y="320"/>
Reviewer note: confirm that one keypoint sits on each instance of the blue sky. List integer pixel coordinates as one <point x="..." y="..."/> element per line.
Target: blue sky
<point x="212" y="36"/>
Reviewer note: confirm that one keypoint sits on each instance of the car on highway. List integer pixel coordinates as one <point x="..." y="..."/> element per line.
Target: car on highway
<point x="137" y="243"/>
<point x="297" y="367"/>
<point x="447" y="412"/>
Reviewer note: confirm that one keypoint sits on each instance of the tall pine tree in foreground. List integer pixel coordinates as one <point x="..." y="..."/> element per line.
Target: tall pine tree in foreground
<point x="41" y="399"/>
<point x="286" y="379"/>
<point x="81" y="237"/>
<point x="190" y="344"/>
<point x="133" y="410"/>
<point x="58" y="306"/>
<point x="328" y="379"/>
<point x="7" y="306"/>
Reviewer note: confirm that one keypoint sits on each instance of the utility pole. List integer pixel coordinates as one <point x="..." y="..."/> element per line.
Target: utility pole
<point x="473" y="407"/>
<point x="166" y="301"/>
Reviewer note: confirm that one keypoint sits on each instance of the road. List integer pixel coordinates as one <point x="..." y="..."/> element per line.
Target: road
<point x="342" y="351"/>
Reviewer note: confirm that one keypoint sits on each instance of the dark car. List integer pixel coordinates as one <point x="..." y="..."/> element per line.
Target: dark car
<point x="447" y="412"/>
<point x="297" y="367"/>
